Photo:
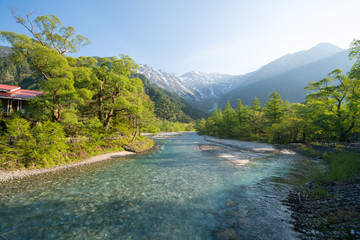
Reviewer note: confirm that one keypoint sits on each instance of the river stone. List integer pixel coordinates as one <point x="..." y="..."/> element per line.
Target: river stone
<point x="226" y="234"/>
<point x="230" y="203"/>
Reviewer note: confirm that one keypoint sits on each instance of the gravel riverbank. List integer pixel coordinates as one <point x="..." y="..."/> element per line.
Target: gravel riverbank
<point x="9" y="175"/>
<point x="331" y="211"/>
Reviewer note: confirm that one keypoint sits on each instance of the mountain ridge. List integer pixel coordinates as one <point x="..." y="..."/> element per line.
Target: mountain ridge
<point x="207" y="91"/>
<point x="290" y="84"/>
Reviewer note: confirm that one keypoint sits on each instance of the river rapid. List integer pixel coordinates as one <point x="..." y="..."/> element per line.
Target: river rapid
<point x="174" y="192"/>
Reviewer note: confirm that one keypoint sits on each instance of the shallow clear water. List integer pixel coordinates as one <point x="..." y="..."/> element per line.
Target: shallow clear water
<point x="176" y="192"/>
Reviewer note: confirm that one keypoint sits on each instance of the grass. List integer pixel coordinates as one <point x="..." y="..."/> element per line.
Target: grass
<point x="343" y="166"/>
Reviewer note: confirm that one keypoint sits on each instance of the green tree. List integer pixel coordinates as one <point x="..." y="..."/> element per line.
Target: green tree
<point x="116" y="91"/>
<point x="243" y="113"/>
<point x="256" y="105"/>
<point x="333" y="112"/>
<point x="292" y="127"/>
<point x="45" y="48"/>
<point x="200" y="126"/>
<point x="274" y="108"/>
<point x="257" y="118"/>
<point x="229" y="121"/>
<point x="214" y="123"/>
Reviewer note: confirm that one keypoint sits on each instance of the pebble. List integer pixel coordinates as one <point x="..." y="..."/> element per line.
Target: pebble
<point x="336" y="216"/>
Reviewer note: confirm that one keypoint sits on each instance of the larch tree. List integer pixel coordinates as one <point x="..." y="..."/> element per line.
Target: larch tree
<point x="274" y="108"/>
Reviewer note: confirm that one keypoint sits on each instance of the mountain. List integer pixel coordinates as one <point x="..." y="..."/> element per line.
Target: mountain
<point x="168" y="105"/>
<point x="292" y="61"/>
<point x="289" y="84"/>
<point x="169" y="81"/>
<point x="201" y="90"/>
<point x="19" y="74"/>
<point x="287" y="75"/>
<point x="207" y="91"/>
<point x="196" y="85"/>
<point x="5" y="51"/>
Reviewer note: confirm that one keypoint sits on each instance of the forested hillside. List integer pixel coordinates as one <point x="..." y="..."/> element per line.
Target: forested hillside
<point x="331" y="111"/>
<point x="168" y="105"/>
<point x="19" y="74"/>
<point x="287" y="75"/>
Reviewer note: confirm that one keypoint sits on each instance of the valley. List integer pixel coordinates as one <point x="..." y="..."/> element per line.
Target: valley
<point x="287" y="75"/>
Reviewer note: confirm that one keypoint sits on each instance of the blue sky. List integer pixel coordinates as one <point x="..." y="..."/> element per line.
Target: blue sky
<point x="226" y="36"/>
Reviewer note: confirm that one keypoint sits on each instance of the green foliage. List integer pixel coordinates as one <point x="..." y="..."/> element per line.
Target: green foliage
<point x="331" y="113"/>
<point x="320" y="193"/>
<point x="168" y="126"/>
<point x="18" y="129"/>
<point x="274" y="108"/>
<point x="18" y="74"/>
<point x="229" y="121"/>
<point x="200" y="126"/>
<point x="42" y="145"/>
<point x="48" y="145"/>
<point x="330" y="106"/>
<point x="342" y="167"/>
<point x="97" y="103"/>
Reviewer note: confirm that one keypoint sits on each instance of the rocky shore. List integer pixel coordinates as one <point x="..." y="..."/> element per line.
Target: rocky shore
<point x="330" y="211"/>
<point x="10" y="175"/>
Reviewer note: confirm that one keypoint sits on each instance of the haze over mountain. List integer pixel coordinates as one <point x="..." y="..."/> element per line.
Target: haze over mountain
<point x="289" y="84"/>
<point x="200" y="89"/>
<point x="287" y="75"/>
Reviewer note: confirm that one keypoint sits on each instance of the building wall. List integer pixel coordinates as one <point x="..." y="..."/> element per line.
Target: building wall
<point x="12" y="105"/>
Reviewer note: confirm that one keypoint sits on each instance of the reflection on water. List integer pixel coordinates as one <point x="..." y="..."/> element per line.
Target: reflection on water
<point x="176" y="192"/>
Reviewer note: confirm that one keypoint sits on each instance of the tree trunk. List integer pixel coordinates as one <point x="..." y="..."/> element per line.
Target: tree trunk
<point x="100" y="115"/>
<point x="304" y="137"/>
<point x="108" y="119"/>
<point x="136" y="129"/>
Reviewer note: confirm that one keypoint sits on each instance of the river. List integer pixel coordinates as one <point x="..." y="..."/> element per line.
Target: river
<point x="174" y="192"/>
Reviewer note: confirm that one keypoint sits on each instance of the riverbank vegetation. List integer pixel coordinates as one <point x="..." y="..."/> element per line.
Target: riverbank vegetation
<point x="329" y="114"/>
<point x="343" y="166"/>
<point x="329" y="117"/>
<point x="88" y="106"/>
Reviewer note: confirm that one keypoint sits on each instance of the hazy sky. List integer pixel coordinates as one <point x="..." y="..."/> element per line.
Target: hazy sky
<point x="226" y="36"/>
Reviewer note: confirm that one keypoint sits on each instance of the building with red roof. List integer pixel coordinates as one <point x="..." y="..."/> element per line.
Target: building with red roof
<point x="14" y="99"/>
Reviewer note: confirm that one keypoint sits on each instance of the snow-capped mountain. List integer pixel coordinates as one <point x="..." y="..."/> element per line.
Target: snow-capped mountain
<point x="169" y="81"/>
<point x="194" y="85"/>
<point x="207" y="85"/>
<point x="287" y="75"/>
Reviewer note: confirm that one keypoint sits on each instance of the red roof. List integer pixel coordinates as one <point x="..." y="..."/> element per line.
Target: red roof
<point x="8" y="88"/>
<point x="15" y="92"/>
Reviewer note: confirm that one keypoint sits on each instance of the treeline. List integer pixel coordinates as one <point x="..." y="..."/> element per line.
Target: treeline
<point x="88" y="105"/>
<point x="330" y="113"/>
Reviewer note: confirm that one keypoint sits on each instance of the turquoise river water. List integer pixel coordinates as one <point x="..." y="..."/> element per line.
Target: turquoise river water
<point x="174" y="192"/>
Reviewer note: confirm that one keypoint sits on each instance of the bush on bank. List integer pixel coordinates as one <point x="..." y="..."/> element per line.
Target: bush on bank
<point x="44" y="144"/>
